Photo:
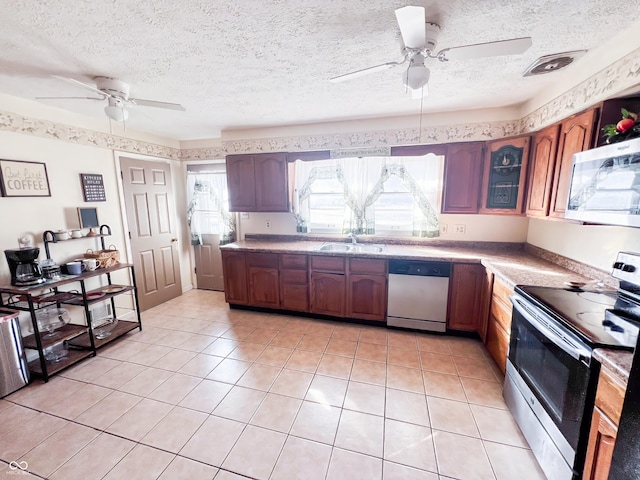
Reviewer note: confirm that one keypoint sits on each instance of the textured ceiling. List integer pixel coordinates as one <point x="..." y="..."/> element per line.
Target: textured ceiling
<point x="252" y="63"/>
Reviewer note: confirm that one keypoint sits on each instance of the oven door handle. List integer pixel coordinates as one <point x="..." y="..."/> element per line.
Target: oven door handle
<point x="553" y="334"/>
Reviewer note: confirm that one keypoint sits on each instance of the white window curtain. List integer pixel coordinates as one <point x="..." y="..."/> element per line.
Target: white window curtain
<point x="208" y="210"/>
<point x="390" y="195"/>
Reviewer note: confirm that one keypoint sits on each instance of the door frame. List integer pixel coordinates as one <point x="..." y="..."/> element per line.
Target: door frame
<point x="186" y="264"/>
<point x="192" y="254"/>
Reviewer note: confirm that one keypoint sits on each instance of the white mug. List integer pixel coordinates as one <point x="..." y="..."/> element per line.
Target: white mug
<point x="90" y="264"/>
<point x="76" y="234"/>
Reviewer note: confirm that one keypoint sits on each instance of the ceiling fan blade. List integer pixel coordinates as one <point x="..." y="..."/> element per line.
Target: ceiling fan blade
<point x="489" y="49"/>
<point x="69" y="98"/>
<point x="85" y="85"/>
<point x="152" y="103"/>
<point x="411" y="21"/>
<point x="364" y="71"/>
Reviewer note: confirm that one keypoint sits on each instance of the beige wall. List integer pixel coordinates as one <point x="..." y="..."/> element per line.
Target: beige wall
<point x="65" y="161"/>
<point x="595" y="245"/>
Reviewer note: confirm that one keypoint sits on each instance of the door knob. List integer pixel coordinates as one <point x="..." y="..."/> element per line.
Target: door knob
<point x="174" y="239"/>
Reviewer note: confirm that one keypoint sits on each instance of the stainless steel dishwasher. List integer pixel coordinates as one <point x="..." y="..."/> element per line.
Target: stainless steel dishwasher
<point x="418" y="294"/>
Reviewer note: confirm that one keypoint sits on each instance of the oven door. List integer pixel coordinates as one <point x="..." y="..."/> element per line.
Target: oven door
<point x="554" y="364"/>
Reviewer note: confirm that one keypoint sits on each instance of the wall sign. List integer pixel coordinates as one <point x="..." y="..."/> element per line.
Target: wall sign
<point x="23" y="179"/>
<point x="93" y="187"/>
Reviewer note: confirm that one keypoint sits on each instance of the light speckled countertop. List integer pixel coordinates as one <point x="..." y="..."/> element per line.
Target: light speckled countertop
<point x="514" y="266"/>
<point x="618" y="362"/>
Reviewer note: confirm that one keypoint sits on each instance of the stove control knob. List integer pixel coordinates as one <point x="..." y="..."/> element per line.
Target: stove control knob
<point x="617" y="328"/>
<point x="607" y="323"/>
<point x="618" y="265"/>
<point x="628" y="268"/>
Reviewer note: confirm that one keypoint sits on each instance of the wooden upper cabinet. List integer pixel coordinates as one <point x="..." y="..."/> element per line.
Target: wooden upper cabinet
<point x="504" y="176"/>
<point x="241" y="183"/>
<point x="462" y="177"/>
<point x="257" y="183"/>
<point x="576" y="135"/>
<point x="541" y="168"/>
<point x="271" y="183"/>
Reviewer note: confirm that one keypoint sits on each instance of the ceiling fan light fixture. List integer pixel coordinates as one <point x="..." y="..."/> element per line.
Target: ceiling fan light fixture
<point x="416" y="76"/>
<point x="117" y="113"/>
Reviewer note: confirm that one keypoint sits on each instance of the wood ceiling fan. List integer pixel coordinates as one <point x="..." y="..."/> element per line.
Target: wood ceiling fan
<point x="420" y="39"/>
<point x="116" y="92"/>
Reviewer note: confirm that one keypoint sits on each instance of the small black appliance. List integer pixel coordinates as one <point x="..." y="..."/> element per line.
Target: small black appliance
<point x="24" y="267"/>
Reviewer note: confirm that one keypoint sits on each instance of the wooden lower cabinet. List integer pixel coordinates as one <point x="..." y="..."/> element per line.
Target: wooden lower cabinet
<point x="367" y="297"/>
<point x="602" y="440"/>
<point x="467" y="298"/>
<point x="235" y="277"/>
<point x="264" y="288"/>
<point x="604" y="426"/>
<point x="499" y="324"/>
<point x="328" y="294"/>
<point x="497" y="343"/>
<point x="294" y="283"/>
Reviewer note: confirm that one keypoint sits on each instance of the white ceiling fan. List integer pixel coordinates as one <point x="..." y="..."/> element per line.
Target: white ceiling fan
<point x="116" y="92"/>
<point x="420" y="39"/>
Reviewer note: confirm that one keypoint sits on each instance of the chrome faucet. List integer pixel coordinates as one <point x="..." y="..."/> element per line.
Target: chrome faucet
<point x="353" y="238"/>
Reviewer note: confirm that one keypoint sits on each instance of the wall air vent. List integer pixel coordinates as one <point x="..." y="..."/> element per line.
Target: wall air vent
<point x="551" y="63"/>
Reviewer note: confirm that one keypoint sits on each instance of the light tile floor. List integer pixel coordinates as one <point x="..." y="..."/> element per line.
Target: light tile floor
<point x="207" y="392"/>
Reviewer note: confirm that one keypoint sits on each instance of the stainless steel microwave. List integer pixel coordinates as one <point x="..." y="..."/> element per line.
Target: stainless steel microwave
<point x="605" y="185"/>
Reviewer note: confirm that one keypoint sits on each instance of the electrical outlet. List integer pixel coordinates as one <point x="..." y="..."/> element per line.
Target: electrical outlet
<point x="267" y="223"/>
<point x="460" y="228"/>
<point x="244" y="216"/>
<point x="444" y="228"/>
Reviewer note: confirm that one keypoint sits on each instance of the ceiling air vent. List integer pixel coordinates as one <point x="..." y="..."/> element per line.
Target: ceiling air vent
<point x="551" y="63"/>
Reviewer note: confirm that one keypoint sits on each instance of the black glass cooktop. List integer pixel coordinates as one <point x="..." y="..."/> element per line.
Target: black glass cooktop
<point x="602" y="318"/>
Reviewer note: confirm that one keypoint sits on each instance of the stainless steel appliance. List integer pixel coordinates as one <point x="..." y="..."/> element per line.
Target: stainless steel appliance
<point x="24" y="267"/>
<point x="605" y="185"/>
<point x="551" y="379"/>
<point x="417" y="294"/>
<point x="14" y="373"/>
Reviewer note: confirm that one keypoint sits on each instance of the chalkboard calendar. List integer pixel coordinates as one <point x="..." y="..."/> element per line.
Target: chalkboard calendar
<point x="93" y="187"/>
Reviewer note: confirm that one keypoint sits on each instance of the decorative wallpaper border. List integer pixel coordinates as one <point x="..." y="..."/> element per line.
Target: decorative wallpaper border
<point x="617" y="77"/>
<point x="12" y="122"/>
<point x="620" y="75"/>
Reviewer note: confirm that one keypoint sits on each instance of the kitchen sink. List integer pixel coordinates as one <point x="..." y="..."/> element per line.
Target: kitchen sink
<point x="351" y="248"/>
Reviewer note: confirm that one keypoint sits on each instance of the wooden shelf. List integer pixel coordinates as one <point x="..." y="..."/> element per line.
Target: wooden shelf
<point x="66" y="332"/>
<point x="78" y="300"/>
<point x="73" y="356"/>
<point x="123" y="327"/>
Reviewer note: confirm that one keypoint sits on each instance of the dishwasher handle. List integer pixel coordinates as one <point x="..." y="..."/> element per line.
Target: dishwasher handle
<point x="419" y="268"/>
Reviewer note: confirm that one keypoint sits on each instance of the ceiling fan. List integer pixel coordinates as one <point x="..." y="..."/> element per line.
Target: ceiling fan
<point x="419" y="37"/>
<point x="116" y="92"/>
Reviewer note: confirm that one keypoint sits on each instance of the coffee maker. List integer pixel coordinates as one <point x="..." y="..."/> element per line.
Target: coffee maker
<point x="23" y="265"/>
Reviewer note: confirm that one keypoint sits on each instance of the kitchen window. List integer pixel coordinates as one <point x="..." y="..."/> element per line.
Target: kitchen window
<point x="208" y="197"/>
<point x="372" y="195"/>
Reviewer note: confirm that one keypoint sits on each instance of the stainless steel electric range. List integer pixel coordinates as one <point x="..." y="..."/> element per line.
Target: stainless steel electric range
<point x="551" y="378"/>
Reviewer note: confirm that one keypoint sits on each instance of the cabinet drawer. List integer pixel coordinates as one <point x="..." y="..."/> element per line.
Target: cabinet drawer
<point x="293" y="277"/>
<point x="501" y="313"/>
<point x="502" y="291"/>
<point x="610" y="395"/>
<point x="367" y="265"/>
<point x="297" y="262"/>
<point x="266" y="260"/>
<point x="327" y="264"/>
